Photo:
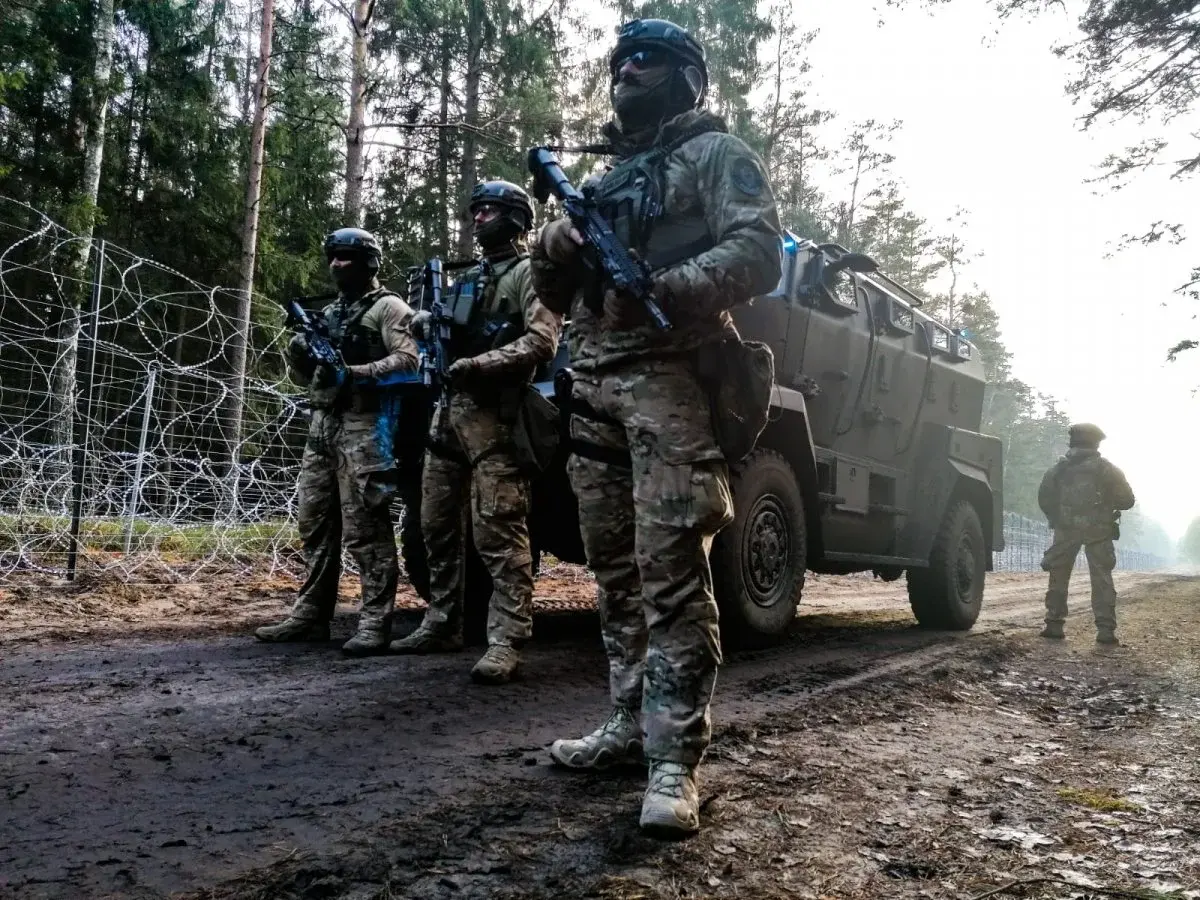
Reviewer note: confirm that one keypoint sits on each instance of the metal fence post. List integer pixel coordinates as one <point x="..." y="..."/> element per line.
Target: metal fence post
<point x="135" y="493"/>
<point x="83" y="424"/>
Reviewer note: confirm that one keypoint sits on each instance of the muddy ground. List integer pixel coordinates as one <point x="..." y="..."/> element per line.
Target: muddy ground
<point x="148" y="749"/>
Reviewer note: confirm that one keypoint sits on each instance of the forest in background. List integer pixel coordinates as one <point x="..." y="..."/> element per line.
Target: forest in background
<point x="145" y="121"/>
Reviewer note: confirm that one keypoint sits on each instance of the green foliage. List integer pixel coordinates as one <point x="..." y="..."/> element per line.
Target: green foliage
<point x="188" y="542"/>
<point x="456" y="91"/>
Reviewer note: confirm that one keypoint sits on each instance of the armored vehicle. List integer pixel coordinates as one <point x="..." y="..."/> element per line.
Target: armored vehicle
<point x="872" y="460"/>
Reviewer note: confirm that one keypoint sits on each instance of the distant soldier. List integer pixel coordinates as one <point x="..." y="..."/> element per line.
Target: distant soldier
<point x="471" y="466"/>
<point x="1082" y="496"/>
<point x="347" y="473"/>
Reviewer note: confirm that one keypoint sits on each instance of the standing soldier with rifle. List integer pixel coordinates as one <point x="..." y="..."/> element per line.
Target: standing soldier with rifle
<point x="498" y="334"/>
<point x="347" y="474"/>
<point x="1082" y="496"/>
<point x="653" y="486"/>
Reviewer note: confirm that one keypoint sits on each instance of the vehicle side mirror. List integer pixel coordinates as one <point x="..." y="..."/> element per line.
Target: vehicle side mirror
<point x="855" y="262"/>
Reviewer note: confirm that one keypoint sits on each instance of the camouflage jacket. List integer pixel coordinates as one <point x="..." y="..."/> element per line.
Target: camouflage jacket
<point x="1082" y="493"/>
<point x="711" y="180"/>
<point x="379" y="321"/>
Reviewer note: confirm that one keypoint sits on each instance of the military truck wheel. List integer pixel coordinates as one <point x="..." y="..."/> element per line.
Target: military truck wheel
<point x="759" y="560"/>
<point x="949" y="594"/>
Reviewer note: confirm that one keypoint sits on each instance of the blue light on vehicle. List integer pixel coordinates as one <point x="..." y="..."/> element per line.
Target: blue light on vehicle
<point x="789" y="244"/>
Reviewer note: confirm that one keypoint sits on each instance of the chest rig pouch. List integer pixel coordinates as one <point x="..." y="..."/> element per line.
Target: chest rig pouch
<point x="357" y="344"/>
<point x="632" y="197"/>
<point x="480" y="320"/>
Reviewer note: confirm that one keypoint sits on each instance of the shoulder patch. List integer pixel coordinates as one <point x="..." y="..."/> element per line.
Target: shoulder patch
<point x="746" y="176"/>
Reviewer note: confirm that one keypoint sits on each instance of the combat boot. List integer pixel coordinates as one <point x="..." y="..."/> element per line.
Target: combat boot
<point x="1054" y="631"/>
<point x="617" y="742"/>
<point x="368" y="641"/>
<point x="293" y="630"/>
<point x="671" y="807"/>
<point x="498" y="665"/>
<point x="428" y="640"/>
<point x="1106" y="636"/>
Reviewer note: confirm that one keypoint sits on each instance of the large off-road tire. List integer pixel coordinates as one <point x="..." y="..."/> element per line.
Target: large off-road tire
<point x="759" y="559"/>
<point x="478" y="593"/>
<point x="949" y="593"/>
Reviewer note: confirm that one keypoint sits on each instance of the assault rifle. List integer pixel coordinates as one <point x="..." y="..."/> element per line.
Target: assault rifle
<point x="315" y="331"/>
<point x="435" y="354"/>
<point x="626" y="273"/>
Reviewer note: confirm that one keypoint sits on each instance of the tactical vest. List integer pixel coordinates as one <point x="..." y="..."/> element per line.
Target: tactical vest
<point x="484" y="320"/>
<point x="631" y="197"/>
<point x="358" y="344"/>
<point x="1082" y="500"/>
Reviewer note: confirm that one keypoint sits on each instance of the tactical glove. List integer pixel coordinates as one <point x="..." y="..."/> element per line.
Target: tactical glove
<point x="462" y="370"/>
<point x="561" y="242"/>
<point x="421" y="326"/>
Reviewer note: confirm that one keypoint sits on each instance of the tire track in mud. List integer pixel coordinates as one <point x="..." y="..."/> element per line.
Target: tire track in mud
<point x="143" y="767"/>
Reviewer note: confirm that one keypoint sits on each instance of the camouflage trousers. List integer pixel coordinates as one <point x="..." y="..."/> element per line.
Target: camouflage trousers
<point x="346" y="488"/>
<point x="647" y="532"/>
<point x="1059" y="560"/>
<point x="470" y="465"/>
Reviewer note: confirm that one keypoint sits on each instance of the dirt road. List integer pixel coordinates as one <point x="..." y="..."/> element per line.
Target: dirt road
<point x="149" y="765"/>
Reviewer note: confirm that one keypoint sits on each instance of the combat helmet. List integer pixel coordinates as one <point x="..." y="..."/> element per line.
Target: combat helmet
<point x="355" y="240"/>
<point x="664" y="36"/>
<point x="516" y="214"/>
<point x="508" y="196"/>
<point x="1085" y="434"/>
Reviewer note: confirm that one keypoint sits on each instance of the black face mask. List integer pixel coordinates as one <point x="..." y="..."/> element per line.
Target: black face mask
<point x="643" y="99"/>
<point x="498" y="234"/>
<point x="353" y="279"/>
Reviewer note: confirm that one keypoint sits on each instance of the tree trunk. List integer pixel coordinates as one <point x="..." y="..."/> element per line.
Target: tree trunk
<point x="443" y="160"/>
<point x="247" y="88"/>
<point x="355" y="160"/>
<point x="468" y="162"/>
<point x="254" y="177"/>
<point x="94" y="111"/>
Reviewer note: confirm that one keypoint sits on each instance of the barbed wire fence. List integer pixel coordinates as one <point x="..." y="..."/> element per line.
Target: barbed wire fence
<point x="114" y="391"/>
<point x="135" y="458"/>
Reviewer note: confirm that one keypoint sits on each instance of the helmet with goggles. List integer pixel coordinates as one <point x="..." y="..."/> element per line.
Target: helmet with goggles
<point x="647" y="43"/>
<point x="507" y="196"/>
<point x="354" y="243"/>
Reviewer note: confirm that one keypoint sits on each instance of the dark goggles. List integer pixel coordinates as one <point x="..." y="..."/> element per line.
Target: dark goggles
<point x="643" y="60"/>
<point x="486" y="207"/>
<point x="344" y="255"/>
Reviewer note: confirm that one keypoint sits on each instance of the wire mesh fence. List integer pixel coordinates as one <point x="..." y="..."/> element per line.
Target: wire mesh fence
<point x="117" y="406"/>
<point x="1025" y="540"/>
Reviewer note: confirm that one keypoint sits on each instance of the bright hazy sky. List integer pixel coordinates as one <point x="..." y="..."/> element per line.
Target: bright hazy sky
<point x="987" y="126"/>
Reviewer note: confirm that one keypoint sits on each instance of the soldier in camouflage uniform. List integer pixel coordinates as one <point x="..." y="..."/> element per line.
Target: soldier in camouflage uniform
<point x="347" y="473"/>
<point x="694" y="203"/>
<point x="1082" y="495"/>
<point x="470" y="461"/>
